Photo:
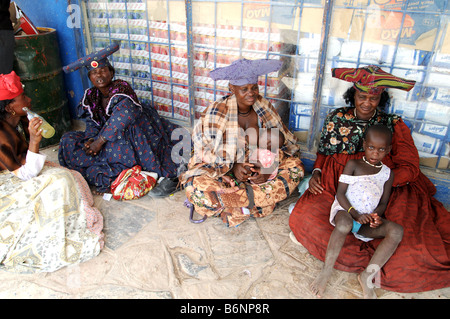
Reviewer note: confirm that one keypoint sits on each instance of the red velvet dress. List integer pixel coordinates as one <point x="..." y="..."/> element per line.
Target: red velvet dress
<point x="422" y="260"/>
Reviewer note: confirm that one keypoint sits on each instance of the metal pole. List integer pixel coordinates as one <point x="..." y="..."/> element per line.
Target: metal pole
<point x="190" y="60"/>
<point x="315" y="111"/>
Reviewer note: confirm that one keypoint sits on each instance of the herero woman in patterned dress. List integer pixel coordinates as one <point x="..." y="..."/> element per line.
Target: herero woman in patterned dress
<point x="47" y="220"/>
<point x="220" y="173"/>
<point x="120" y="132"/>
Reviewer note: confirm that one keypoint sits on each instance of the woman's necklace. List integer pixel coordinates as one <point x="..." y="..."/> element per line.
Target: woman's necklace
<point x="374" y="112"/>
<point x="376" y="166"/>
<point x="245" y="113"/>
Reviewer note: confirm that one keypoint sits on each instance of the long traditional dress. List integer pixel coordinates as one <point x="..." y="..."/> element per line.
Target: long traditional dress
<point x="217" y="147"/>
<point x="48" y="221"/>
<point x="422" y="260"/>
<point x="135" y="135"/>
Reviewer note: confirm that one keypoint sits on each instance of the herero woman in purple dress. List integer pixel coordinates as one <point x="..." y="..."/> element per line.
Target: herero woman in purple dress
<point x="120" y="132"/>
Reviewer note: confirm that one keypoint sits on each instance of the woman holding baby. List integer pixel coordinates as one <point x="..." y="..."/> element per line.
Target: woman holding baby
<point x="225" y="178"/>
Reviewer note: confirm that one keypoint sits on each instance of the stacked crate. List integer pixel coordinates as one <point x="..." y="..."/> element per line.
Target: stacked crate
<point x="424" y="109"/>
<point x="153" y="56"/>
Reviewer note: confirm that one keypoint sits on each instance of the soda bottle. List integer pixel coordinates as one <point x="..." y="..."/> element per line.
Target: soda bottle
<point x="47" y="130"/>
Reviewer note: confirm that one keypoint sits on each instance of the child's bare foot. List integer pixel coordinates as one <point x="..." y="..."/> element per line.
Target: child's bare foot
<point x="368" y="293"/>
<point x="320" y="283"/>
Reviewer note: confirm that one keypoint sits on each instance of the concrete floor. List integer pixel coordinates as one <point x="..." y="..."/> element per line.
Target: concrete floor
<point x="154" y="251"/>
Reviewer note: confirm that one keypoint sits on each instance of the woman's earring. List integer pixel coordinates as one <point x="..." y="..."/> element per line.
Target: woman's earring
<point x="13" y="113"/>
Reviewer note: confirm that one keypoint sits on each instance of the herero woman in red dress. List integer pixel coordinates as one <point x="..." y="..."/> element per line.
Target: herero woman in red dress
<point x="421" y="261"/>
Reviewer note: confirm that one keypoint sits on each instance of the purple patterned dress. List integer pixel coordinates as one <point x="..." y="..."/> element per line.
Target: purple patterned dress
<point x="135" y="135"/>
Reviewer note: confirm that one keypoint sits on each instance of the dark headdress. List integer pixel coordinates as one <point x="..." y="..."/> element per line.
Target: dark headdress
<point x="94" y="60"/>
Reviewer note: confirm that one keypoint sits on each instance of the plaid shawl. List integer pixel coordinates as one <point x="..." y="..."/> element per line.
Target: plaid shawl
<point x="217" y="142"/>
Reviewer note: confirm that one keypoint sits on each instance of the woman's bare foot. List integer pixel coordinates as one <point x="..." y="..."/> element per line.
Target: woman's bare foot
<point x="368" y="293"/>
<point x="319" y="285"/>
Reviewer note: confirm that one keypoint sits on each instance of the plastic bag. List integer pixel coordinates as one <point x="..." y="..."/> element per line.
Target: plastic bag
<point x="133" y="183"/>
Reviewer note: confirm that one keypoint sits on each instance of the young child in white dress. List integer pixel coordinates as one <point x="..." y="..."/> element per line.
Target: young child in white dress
<point x="361" y="199"/>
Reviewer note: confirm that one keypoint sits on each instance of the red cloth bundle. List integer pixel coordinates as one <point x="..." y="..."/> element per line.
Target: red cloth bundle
<point x="133" y="183"/>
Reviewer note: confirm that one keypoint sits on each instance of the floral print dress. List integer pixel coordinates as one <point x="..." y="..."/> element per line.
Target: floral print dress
<point x="343" y="130"/>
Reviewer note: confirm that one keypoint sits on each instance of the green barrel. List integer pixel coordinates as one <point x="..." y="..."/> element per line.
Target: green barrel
<point x="38" y="63"/>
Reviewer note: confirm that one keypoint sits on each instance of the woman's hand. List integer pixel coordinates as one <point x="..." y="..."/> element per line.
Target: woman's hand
<point x="242" y="171"/>
<point x="228" y="180"/>
<point x="257" y="177"/>
<point x="230" y="185"/>
<point x="35" y="134"/>
<point x="315" y="183"/>
<point x="92" y="147"/>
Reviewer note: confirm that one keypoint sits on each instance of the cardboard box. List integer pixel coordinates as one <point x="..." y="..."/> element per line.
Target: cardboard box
<point x="431" y="161"/>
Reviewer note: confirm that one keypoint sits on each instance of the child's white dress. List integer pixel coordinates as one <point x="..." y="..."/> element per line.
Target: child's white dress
<point x="364" y="193"/>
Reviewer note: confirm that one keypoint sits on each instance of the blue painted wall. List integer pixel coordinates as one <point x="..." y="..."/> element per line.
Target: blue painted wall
<point x="53" y="14"/>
